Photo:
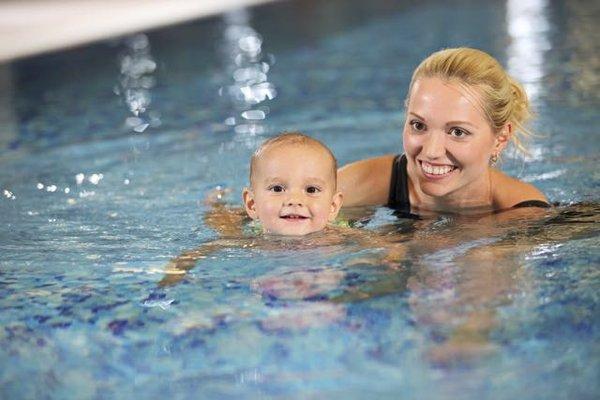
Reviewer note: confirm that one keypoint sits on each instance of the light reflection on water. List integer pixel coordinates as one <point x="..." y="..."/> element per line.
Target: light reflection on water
<point x="136" y="81"/>
<point x="528" y="28"/>
<point x="249" y="68"/>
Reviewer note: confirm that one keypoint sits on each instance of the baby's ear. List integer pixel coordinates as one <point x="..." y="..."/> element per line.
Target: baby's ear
<point x="336" y="204"/>
<point x="249" y="203"/>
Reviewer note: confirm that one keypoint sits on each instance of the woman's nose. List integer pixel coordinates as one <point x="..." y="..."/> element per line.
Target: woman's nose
<point x="434" y="145"/>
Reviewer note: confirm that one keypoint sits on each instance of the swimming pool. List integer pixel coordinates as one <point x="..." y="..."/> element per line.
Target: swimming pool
<point x="108" y="151"/>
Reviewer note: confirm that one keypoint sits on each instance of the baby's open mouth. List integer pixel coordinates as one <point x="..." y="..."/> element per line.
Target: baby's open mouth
<point x="293" y="217"/>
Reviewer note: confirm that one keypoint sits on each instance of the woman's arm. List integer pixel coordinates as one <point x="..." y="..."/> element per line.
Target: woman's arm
<point x="366" y="182"/>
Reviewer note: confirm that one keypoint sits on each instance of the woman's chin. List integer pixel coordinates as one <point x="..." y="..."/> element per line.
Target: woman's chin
<point x="435" y="189"/>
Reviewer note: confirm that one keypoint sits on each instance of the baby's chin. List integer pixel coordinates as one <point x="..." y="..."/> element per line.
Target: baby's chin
<point x="292" y="232"/>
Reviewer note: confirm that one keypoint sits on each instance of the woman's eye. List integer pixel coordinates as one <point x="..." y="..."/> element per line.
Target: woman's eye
<point x="417" y="125"/>
<point x="312" y="189"/>
<point x="457" y="132"/>
<point x="276" y="188"/>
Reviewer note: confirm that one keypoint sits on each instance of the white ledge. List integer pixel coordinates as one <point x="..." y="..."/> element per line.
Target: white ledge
<point x="36" y="26"/>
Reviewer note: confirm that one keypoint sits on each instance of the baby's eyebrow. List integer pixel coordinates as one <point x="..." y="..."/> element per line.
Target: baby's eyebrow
<point x="268" y="181"/>
<point x="319" y="181"/>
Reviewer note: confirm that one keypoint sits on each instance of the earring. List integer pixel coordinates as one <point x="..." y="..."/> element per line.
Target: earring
<point x="493" y="159"/>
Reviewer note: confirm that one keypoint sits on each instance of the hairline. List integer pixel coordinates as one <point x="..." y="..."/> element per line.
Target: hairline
<point x="291" y="139"/>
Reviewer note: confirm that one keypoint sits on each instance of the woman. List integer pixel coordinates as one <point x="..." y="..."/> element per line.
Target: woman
<point x="462" y="110"/>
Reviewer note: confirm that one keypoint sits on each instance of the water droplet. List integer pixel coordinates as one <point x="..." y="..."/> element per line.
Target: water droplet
<point x="254" y="114"/>
<point x="250" y="44"/>
<point x="133" y="121"/>
<point x="95" y="178"/>
<point x="141" y="127"/>
<point x="87" y="193"/>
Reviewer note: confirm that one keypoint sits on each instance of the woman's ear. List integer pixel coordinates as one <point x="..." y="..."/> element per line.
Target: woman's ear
<point x="503" y="138"/>
<point x="249" y="203"/>
<point x="336" y="204"/>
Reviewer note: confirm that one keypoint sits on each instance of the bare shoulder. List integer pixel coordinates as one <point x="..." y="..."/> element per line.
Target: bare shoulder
<point x="366" y="182"/>
<point x="508" y="191"/>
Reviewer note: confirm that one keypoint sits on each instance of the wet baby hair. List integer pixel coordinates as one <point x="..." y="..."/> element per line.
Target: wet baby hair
<point x="291" y="139"/>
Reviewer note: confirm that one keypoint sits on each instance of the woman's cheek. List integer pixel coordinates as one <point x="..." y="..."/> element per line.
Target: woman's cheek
<point x="411" y="144"/>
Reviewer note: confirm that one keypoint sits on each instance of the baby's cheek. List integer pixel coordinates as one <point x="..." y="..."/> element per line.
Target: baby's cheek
<point x="323" y="218"/>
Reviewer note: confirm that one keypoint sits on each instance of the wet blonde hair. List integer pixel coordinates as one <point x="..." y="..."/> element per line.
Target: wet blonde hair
<point x="502" y="99"/>
<point x="295" y="139"/>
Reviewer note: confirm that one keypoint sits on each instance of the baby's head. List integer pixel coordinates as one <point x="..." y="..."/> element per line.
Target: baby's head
<point x="292" y="185"/>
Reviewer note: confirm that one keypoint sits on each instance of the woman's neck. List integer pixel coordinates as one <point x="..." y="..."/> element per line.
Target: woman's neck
<point x="476" y="195"/>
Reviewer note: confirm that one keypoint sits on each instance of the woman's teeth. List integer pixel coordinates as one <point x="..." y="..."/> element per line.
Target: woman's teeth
<point x="436" y="170"/>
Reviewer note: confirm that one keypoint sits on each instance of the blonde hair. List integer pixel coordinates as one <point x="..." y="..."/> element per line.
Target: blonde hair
<point x="503" y="99"/>
<point x="294" y="139"/>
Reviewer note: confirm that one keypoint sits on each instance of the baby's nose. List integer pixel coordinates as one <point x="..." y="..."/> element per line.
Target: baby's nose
<point x="294" y="202"/>
<point x="294" y="199"/>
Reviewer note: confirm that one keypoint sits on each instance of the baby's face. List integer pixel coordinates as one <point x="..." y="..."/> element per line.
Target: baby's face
<point x="293" y="190"/>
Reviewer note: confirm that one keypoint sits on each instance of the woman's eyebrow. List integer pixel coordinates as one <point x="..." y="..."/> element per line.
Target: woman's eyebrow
<point x="416" y="115"/>
<point x="455" y="122"/>
<point x="460" y="122"/>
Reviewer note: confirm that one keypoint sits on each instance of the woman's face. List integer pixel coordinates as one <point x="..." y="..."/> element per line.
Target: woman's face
<point x="447" y="140"/>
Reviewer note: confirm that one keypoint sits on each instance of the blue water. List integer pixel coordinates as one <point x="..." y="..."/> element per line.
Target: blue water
<point x="107" y="153"/>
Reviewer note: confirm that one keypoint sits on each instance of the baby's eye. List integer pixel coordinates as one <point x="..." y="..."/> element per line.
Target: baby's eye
<point x="458" y="132"/>
<point x="276" y="188"/>
<point x="417" y="125"/>
<point x="312" y="190"/>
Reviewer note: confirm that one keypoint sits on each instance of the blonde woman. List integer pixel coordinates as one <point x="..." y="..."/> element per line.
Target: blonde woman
<point x="461" y="112"/>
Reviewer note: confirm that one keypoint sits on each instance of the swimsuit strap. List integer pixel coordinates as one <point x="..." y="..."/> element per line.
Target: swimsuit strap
<point x="398" y="198"/>
<point x="532" y="203"/>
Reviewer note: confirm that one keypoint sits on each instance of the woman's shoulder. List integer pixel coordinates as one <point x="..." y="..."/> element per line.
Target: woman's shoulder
<point x="366" y="182"/>
<point x="509" y="192"/>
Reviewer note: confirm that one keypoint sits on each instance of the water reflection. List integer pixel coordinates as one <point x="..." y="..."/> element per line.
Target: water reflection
<point x="528" y="26"/>
<point x="583" y="37"/>
<point x="8" y="120"/>
<point x="136" y="81"/>
<point x="248" y="67"/>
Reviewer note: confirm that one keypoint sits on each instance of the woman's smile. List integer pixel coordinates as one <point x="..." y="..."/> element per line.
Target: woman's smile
<point x="436" y="171"/>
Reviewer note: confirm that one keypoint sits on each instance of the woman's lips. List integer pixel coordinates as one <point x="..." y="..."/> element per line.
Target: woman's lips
<point x="436" y="171"/>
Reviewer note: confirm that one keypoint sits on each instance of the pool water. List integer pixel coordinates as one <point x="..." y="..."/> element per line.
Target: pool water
<point x="108" y="152"/>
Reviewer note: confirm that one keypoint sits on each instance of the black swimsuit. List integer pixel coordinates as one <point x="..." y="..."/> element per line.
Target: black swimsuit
<point x="399" y="198"/>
